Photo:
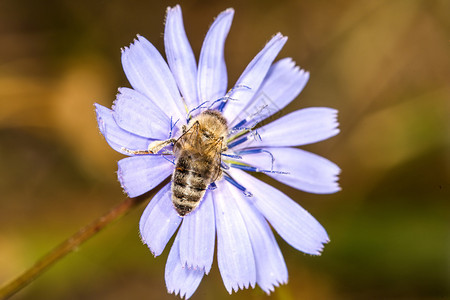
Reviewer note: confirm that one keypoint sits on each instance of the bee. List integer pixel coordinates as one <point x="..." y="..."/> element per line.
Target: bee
<point x="198" y="159"/>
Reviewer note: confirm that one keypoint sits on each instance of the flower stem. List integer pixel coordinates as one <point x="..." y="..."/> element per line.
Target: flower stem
<point x="68" y="246"/>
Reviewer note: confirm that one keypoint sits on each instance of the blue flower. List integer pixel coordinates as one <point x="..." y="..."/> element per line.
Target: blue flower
<point x="237" y="208"/>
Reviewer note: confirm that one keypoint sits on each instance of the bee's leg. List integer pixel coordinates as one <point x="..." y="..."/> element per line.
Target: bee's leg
<point x="236" y="184"/>
<point x="156" y="146"/>
<point x="153" y="148"/>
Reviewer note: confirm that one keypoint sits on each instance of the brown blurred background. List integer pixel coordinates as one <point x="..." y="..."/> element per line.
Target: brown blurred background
<point x="385" y="65"/>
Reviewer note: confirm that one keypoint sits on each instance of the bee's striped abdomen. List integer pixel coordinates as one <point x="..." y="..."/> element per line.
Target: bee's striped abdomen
<point x="198" y="159"/>
<point x="190" y="179"/>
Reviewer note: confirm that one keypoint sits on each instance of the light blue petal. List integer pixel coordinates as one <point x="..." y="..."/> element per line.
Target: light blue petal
<point x="251" y="78"/>
<point x="117" y="137"/>
<point x="294" y="224"/>
<point x="159" y="221"/>
<point x="283" y="83"/>
<point x="150" y="75"/>
<point x="212" y="71"/>
<point x="301" y="127"/>
<point x="141" y="173"/>
<point x="306" y="171"/>
<point x="234" y="250"/>
<point x="137" y="114"/>
<point x="197" y="236"/>
<point x="270" y="266"/>
<point x="180" y="56"/>
<point x="179" y="279"/>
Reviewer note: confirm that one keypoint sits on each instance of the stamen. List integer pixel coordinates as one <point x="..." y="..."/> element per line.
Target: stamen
<point x="169" y="160"/>
<point x="244" y="130"/>
<point x="253" y="169"/>
<point x="223" y="99"/>
<point x="240" y="187"/>
<point x="224" y="166"/>
<point x="188" y="118"/>
<point x="250" y="118"/>
<point x="232" y="156"/>
<point x="212" y="186"/>
<point x="237" y="142"/>
<point x="239" y="125"/>
<point x="172" y="126"/>
<point x="256" y="151"/>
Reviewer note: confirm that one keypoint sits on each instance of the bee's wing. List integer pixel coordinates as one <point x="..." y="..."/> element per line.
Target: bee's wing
<point x="216" y="148"/>
<point x="190" y="136"/>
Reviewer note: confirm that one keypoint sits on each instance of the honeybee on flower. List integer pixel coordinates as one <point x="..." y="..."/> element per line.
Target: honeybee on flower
<point x="179" y="120"/>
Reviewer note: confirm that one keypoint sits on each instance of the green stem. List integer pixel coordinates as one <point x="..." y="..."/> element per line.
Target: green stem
<point x="68" y="246"/>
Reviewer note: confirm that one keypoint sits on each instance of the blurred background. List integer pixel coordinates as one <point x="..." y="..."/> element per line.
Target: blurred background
<point x="385" y="65"/>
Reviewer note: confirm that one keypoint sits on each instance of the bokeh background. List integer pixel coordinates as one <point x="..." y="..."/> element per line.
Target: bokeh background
<point x="385" y="65"/>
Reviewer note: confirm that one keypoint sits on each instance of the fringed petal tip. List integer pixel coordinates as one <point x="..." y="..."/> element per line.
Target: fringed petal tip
<point x="120" y="178"/>
<point x="127" y="49"/>
<point x="182" y="294"/>
<point x="173" y="9"/>
<point x="143" y="240"/>
<point x="270" y="289"/>
<point x="319" y="248"/>
<point x="179" y="280"/>
<point x="316" y="248"/>
<point x="290" y="63"/>
<point x="178" y="292"/>
<point x="239" y="286"/>
<point x="229" y="10"/>
<point x="146" y="243"/>
<point x="280" y="36"/>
